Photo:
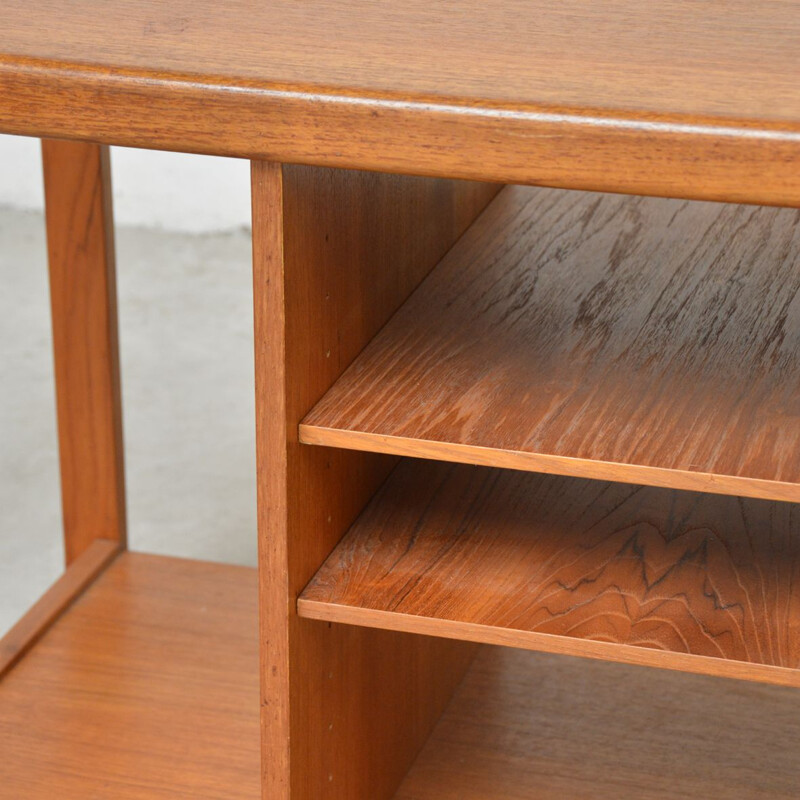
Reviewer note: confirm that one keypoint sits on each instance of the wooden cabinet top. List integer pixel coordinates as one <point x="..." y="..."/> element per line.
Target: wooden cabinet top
<point x="676" y="98"/>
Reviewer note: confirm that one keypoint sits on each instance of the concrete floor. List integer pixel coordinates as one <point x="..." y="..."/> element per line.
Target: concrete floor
<point x="185" y="306"/>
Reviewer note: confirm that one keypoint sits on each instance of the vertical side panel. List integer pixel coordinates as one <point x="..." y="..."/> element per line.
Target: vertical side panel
<point x="269" y="318"/>
<point x="80" y="244"/>
<point x="345" y="709"/>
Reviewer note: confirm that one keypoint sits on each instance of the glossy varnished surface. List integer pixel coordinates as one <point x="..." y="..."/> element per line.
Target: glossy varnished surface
<point x="642" y="340"/>
<point x="526" y="726"/>
<point x="703" y="583"/>
<point x="146" y="689"/>
<point x="687" y="99"/>
<point x="736" y="60"/>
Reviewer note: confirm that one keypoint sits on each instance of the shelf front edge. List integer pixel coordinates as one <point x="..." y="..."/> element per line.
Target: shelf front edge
<point x="548" y="643"/>
<point x="549" y="464"/>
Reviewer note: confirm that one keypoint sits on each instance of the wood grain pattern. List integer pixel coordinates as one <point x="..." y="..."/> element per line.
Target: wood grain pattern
<point x="80" y="243"/>
<point x="344" y="711"/>
<point x="146" y="689"/>
<point x="640" y="340"/>
<point x="684" y="100"/>
<point x="702" y="583"/>
<point x="524" y="725"/>
<point x="57" y="599"/>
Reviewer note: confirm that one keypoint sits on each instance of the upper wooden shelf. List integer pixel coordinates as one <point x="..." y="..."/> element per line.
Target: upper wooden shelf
<point x="684" y="99"/>
<point x="643" y="340"/>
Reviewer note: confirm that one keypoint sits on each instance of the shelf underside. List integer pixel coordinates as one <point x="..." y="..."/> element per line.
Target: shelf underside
<point x="642" y="340"/>
<point x="527" y="726"/>
<point x="146" y="689"/>
<point x="695" y="582"/>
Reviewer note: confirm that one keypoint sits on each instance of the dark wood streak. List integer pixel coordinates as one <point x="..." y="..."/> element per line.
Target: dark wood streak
<point x="649" y="341"/>
<point x="517" y="555"/>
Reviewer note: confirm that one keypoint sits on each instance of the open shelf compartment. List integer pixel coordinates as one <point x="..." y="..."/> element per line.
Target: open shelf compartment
<point x="634" y="339"/>
<point x="528" y="725"/>
<point x="146" y="688"/>
<point x="696" y="582"/>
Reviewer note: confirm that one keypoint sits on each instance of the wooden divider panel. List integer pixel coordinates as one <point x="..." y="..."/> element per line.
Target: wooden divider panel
<point x="344" y="710"/>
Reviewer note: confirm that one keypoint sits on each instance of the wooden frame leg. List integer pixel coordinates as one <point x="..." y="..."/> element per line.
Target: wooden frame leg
<point x="344" y="709"/>
<point x="80" y="242"/>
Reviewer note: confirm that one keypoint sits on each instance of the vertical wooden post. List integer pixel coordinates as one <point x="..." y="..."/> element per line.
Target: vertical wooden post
<point x="344" y="709"/>
<point x="80" y="243"/>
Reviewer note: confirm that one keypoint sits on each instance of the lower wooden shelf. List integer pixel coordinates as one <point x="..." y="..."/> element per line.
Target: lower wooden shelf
<point x="695" y="582"/>
<point x="147" y="687"/>
<point x="530" y="726"/>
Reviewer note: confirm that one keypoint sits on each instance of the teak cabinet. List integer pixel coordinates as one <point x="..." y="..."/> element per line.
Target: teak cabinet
<point x="527" y="319"/>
